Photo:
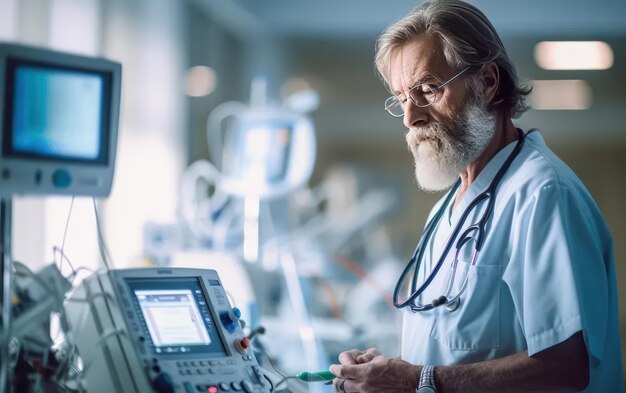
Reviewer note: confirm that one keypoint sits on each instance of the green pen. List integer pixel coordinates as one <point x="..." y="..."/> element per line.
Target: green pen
<point x="318" y="376"/>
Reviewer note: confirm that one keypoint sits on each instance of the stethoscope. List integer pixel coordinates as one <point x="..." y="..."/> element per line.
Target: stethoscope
<point x="475" y="233"/>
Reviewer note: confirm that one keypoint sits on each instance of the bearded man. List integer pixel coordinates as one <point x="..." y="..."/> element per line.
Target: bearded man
<point x="513" y="283"/>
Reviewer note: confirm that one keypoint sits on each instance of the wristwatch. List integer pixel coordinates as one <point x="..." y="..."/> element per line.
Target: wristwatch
<point x="427" y="380"/>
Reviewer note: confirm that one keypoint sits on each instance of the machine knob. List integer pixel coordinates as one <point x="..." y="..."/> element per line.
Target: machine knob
<point x="231" y="316"/>
<point x="163" y="383"/>
<point x="61" y="178"/>
<point x="242" y="344"/>
<point x="229" y="319"/>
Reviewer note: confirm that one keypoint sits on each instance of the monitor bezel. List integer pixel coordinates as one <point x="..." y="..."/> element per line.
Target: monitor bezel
<point x="92" y="178"/>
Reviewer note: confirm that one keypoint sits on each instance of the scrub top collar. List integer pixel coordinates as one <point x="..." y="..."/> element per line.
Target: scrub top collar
<point x="485" y="177"/>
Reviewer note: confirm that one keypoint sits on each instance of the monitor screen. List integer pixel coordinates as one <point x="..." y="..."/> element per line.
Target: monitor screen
<point x="261" y="154"/>
<point x="176" y="315"/>
<point x="172" y="317"/>
<point x="55" y="112"/>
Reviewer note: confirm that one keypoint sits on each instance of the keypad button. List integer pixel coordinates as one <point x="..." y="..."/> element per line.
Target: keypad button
<point x="224" y="387"/>
<point x="247" y="387"/>
<point x="236" y="386"/>
<point x="188" y="387"/>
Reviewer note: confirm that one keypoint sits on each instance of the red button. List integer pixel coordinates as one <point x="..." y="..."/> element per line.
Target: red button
<point x="245" y="343"/>
<point x="212" y="389"/>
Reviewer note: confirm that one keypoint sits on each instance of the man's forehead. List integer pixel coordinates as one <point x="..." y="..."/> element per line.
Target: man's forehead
<point x="416" y="60"/>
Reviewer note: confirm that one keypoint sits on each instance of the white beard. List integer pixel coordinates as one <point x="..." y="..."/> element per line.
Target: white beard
<point x="441" y="152"/>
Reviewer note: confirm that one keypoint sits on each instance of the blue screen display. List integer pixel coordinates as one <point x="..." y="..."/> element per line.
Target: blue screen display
<point x="177" y="316"/>
<point x="57" y="113"/>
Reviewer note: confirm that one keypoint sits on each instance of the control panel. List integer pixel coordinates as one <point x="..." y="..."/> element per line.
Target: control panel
<point x="168" y="330"/>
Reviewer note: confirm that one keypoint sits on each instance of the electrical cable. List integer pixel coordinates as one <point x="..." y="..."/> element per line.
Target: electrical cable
<point x="104" y="252"/>
<point x="269" y="358"/>
<point x="270" y="382"/>
<point x="273" y="364"/>
<point x="74" y="274"/>
<point x="67" y="224"/>
<point x="56" y="250"/>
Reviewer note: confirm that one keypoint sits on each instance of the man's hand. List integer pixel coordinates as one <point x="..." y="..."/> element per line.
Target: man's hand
<point x="369" y="371"/>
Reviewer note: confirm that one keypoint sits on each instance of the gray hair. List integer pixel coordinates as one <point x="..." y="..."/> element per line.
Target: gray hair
<point x="468" y="39"/>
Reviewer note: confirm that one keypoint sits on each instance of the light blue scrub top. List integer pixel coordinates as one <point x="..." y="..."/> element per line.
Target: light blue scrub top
<point x="546" y="271"/>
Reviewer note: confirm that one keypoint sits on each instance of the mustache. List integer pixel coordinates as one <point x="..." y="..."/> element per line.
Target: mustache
<point x="432" y="132"/>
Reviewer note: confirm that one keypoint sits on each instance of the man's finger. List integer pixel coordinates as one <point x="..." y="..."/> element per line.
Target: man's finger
<point x="349" y="357"/>
<point x="368" y="355"/>
<point x="335" y="369"/>
<point x="337" y="383"/>
<point x="346" y="371"/>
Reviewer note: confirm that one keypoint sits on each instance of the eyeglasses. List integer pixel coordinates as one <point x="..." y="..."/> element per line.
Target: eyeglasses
<point x="421" y="95"/>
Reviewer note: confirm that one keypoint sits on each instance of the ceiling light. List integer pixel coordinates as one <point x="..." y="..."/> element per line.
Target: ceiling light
<point x="561" y="95"/>
<point x="574" y="55"/>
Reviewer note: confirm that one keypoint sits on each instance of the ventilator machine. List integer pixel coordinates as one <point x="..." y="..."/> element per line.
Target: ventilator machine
<point x="161" y="329"/>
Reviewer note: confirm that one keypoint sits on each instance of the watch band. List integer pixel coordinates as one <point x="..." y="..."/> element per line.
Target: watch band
<point x="427" y="380"/>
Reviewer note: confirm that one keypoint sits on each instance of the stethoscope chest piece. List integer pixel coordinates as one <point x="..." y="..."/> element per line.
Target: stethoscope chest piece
<point x="453" y="305"/>
<point x="450" y="305"/>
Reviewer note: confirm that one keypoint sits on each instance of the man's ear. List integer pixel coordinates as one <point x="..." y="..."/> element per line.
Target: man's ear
<point x="490" y="77"/>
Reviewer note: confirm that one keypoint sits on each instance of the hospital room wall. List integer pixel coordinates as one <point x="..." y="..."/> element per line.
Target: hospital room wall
<point x="209" y="44"/>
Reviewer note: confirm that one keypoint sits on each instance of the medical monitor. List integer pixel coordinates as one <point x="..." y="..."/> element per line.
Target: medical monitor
<point x="267" y="152"/>
<point x="58" y="119"/>
<point x="145" y="330"/>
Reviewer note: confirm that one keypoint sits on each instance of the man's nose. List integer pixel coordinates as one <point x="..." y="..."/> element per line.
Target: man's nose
<point x="414" y="115"/>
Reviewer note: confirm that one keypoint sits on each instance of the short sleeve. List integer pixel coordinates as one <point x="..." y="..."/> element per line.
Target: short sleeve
<point x="557" y="273"/>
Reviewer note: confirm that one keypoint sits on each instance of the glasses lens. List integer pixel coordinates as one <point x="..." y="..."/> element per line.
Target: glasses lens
<point x="423" y="95"/>
<point x="394" y="107"/>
